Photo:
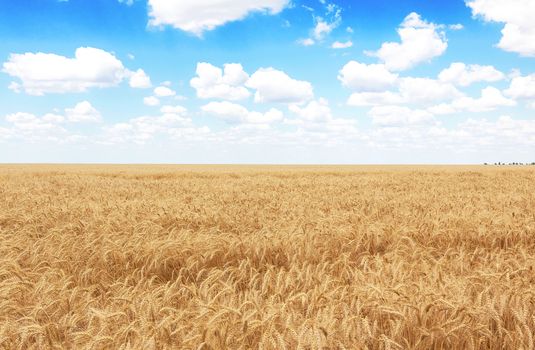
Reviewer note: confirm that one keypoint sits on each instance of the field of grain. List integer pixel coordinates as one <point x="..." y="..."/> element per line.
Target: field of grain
<point x="244" y="257"/>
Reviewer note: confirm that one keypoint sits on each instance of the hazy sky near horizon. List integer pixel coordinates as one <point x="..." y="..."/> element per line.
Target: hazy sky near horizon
<point x="267" y="81"/>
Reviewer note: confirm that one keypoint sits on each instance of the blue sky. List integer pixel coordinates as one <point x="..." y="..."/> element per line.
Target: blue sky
<point x="267" y="81"/>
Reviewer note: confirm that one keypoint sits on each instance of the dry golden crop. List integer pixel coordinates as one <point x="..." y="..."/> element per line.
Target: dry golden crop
<point x="198" y="257"/>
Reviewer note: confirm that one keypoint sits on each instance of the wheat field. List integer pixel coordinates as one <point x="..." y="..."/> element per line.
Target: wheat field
<point x="267" y="257"/>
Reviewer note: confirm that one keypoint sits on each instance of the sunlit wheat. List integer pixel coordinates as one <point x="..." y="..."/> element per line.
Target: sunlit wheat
<point x="230" y="257"/>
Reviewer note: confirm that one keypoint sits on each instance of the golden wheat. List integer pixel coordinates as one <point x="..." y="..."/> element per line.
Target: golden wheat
<point x="236" y="257"/>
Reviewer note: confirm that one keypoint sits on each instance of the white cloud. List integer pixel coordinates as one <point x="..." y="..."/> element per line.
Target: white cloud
<point x="314" y="111"/>
<point x="83" y="112"/>
<point x="457" y="26"/>
<point x="151" y="101"/>
<point x="522" y="87"/>
<point x="272" y="85"/>
<point x="504" y="137"/>
<point x="504" y="131"/>
<point x="420" y="42"/>
<point x="227" y="84"/>
<point x="374" y="98"/>
<point x="42" y="73"/>
<point x="518" y="33"/>
<point x="306" y="42"/>
<point x="172" y="123"/>
<point x="324" y="28"/>
<point x="491" y="98"/>
<point x="390" y="116"/>
<point x="308" y="8"/>
<point x="342" y="45"/>
<point x="317" y="117"/>
<point x="156" y="124"/>
<point x="460" y="74"/>
<point x="236" y="113"/>
<point x="366" y="77"/>
<point x="373" y="84"/>
<point x="163" y="91"/>
<point x="140" y="80"/>
<point x="173" y="110"/>
<point x="442" y="109"/>
<point x="426" y="90"/>
<point x="21" y="117"/>
<point x="53" y="118"/>
<point x="30" y="128"/>
<point x="199" y="16"/>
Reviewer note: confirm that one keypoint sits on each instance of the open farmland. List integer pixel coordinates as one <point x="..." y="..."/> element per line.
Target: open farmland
<point x="245" y="257"/>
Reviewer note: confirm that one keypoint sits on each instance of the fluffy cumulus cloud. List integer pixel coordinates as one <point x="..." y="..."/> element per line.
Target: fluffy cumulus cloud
<point x="140" y="80"/>
<point x="471" y="136"/>
<point x="31" y="128"/>
<point x="273" y="85"/>
<point x="215" y="83"/>
<point x="394" y="98"/>
<point x="164" y="91"/>
<point x="375" y="85"/>
<point x="491" y="98"/>
<point x="235" y="113"/>
<point x="314" y="111"/>
<point x="51" y="126"/>
<point x="366" y="77"/>
<point x="461" y="74"/>
<point x="360" y="99"/>
<point x="83" y="112"/>
<point x="41" y="73"/>
<point x="151" y="101"/>
<point x="518" y="33"/>
<point x="522" y="87"/>
<point x="503" y="132"/>
<point x="316" y="117"/>
<point x="342" y="45"/>
<point x="177" y="110"/>
<point x="395" y="116"/>
<point x="53" y="118"/>
<point x="442" y="109"/>
<point x="160" y="92"/>
<point x="426" y="90"/>
<point x="173" y="122"/>
<point x="420" y="42"/>
<point x="199" y="16"/>
<point x="21" y="118"/>
<point x="306" y="42"/>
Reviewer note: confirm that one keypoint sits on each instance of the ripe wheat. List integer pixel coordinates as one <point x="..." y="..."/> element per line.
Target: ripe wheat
<point x="228" y="257"/>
